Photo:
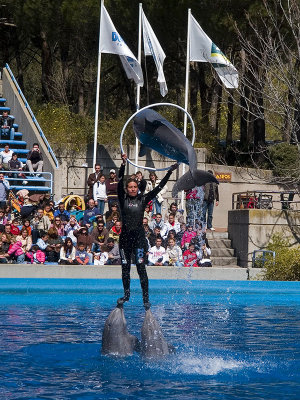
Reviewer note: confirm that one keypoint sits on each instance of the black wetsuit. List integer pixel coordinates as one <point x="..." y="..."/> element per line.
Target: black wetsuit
<point x="132" y="238"/>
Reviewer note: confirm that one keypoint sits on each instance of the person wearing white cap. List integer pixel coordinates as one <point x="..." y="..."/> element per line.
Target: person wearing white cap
<point x="112" y="188"/>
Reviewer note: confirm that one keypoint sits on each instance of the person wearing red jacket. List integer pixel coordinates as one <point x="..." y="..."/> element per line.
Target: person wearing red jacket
<point x="190" y="257"/>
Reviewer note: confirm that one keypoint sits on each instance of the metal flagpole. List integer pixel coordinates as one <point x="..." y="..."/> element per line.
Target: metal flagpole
<point x="186" y="97"/>
<point x="138" y="87"/>
<point x="97" y="94"/>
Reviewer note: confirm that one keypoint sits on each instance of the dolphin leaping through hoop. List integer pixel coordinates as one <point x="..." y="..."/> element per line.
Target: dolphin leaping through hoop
<point x="157" y="133"/>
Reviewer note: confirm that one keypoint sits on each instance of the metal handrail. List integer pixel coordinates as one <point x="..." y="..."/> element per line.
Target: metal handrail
<point x="256" y="196"/>
<point x="34" y="120"/>
<point x="5" y="172"/>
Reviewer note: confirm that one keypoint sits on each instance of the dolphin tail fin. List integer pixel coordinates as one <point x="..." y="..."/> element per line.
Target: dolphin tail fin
<point x="143" y="150"/>
<point x="191" y="179"/>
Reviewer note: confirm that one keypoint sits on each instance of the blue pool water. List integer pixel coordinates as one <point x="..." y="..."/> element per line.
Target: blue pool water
<point x="234" y="340"/>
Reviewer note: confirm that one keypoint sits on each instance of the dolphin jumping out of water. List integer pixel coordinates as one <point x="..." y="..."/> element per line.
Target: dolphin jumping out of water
<point x="157" y="133"/>
<point x="153" y="343"/>
<point x="116" y="340"/>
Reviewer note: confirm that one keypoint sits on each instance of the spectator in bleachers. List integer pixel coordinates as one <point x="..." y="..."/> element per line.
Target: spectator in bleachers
<point x="4" y="188"/>
<point x="82" y="256"/>
<point x="99" y="237"/>
<point x="14" y="228"/>
<point x="54" y="245"/>
<point x="153" y="236"/>
<point x="3" y="220"/>
<point x="147" y="214"/>
<point x="89" y="213"/>
<point x="40" y="223"/>
<point x="26" y="241"/>
<point x="67" y="253"/>
<point x="180" y="234"/>
<point x="187" y="237"/>
<point x="158" y="255"/>
<point x="211" y="197"/>
<point x="38" y="256"/>
<point x="82" y="235"/>
<point x="158" y="200"/>
<point x="70" y="228"/>
<point x="190" y="257"/>
<point x="100" y="258"/>
<point x="63" y="214"/>
<point x="116" y="231"/>
<point x="48" y="212"/>
<point x="6" y="126"/>
<point x="16" y="165"/>
<point x="113" y="209"/>
<point x="113" y="252"/>
<point x="59" y="226"/>
<point x="99" y="193"/>
<point x="110" y="222"/>
<point x="5" y="157"/>
<point x="142" y="183"/>
<point x="112" y="188"/>
<point x="26" y="225"/>
<point x="174" y="253"/>
<point x="204" y="255"/>
<point x="172" y="224"/>
<point x="35" y="160"/>
<point x="92" y="179"/>
<point x="7" y="211"/>
<point x="4" y="246"/>
<point x="10" y="237"/>
<point x="147" y="230"/>
<point x="157" y="221"/>
<point x="173" y="209"/>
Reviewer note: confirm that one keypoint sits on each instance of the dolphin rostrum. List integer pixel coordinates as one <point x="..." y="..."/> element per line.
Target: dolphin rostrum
<point x="153" y="343"/>
<point x="157" y="133"/>
<point x="116" y="340"/>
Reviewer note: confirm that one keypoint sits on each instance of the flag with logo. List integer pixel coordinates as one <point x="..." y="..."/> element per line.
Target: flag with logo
<point x="202" y="49"/>
<point x="153" y="48"/>
<point x="111" y="42"/>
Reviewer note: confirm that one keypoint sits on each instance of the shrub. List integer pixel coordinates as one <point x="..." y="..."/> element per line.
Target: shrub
<point x="286" y="266"/>
<point x="284" y="159"/>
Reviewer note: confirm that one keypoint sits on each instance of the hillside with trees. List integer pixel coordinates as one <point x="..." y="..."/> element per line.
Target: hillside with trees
<point x="52" y="48"/>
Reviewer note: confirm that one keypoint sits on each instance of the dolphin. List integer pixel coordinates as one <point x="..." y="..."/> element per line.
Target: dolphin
<point x="157" y="133"/>
<point x="116" y="340"/>
<point x="153" y="343"/>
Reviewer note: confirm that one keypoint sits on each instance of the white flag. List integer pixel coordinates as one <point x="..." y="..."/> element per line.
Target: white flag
<point x="204" y="50"/>
<point x="111" y="42"/>
<point x="153" y="48"/>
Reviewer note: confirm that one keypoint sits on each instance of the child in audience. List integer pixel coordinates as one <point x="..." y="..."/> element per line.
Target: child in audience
<point x="174" y="253"/>
<point x="82" y="256"/>
<point x="14" y="228"/>
<point x="26" y="225"/>
<point x="190" y="256"/>
<point x="188" y="235"/>
<point x="204" y="255"/>
<point x="100" y="258"/>
<point x="180" y="233"/>
<point x="38" y="256"/>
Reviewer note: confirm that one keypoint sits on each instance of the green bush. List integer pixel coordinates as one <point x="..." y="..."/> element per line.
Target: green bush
<point x="286" y="266"/>
<point x="284" y="160"/>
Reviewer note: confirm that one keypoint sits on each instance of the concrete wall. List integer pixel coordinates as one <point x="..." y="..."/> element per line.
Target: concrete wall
<point x="252" y="229"/>
<point x="27" y="127"/>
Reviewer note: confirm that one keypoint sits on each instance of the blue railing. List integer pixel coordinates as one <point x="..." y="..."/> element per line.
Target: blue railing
<point x="32" y="115"/>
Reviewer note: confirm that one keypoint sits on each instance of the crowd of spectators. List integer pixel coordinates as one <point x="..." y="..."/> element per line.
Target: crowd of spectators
<point x="47" y="233"/>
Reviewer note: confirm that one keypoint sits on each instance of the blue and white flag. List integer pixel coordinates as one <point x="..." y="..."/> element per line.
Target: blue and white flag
<point x="202" y="49"/>
<point x="153" y="48"/>
<point x="111" y="42"/>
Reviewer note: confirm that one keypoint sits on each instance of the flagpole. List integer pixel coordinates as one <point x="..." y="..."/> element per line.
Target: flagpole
<point x="97" y="94"/>
<point x="186" y="97"/>
<point x="138" y="87"/>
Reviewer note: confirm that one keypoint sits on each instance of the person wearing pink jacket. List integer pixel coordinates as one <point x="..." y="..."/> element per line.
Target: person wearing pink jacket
<point x="188" y="235"/>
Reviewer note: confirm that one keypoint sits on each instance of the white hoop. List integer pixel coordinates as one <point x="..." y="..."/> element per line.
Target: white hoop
<point x="144" y="108"/>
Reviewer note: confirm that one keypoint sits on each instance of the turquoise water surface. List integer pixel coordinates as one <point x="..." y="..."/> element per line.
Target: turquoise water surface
<point x="234" y="340"/>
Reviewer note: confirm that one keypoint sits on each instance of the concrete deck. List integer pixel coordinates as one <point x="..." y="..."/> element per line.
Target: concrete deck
<point x="114" y="272"/>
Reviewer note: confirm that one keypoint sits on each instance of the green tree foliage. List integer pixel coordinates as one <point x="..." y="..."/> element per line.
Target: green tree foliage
<point x="286" y="266"/>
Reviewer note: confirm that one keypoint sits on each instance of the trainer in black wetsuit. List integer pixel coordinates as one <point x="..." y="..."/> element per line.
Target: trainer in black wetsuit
<point x="132" y="238"/>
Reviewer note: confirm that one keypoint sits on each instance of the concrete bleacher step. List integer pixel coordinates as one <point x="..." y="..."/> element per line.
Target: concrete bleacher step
<point x="13" y="142"/>
<point x="222" y="254"/>
<point x="18" y="151"/>
<point x="2" y="100"/>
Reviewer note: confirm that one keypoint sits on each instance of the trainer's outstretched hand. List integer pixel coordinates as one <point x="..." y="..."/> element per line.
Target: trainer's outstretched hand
<point x="173" y="167"/>
<point x="124" y="158"/>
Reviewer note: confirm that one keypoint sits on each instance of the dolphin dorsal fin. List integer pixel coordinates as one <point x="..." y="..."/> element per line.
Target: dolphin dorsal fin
<point x="143" y="150"/>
